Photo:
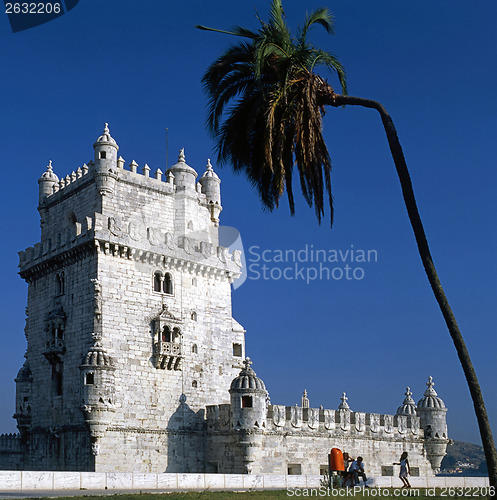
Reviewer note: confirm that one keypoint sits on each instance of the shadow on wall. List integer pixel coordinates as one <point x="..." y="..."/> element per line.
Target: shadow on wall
<point x="185" y="441"/>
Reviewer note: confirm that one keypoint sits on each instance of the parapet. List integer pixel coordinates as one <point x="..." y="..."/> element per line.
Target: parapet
<point x="295" y="418"/>
<point x="10" y="443"/>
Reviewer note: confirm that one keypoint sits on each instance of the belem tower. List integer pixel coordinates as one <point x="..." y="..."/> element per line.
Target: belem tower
<point x="134" y="361"/>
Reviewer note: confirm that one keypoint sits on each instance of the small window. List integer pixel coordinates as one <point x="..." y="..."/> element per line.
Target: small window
<point x="59" y="278"/>
<point x="323" y="470"/>
<point x="90" y="379"/>
<point x="246" y="401"/>
<point x="194" y="384"/>
<point x="237" y="350"/>
<point x="194" y="281"/>
<point x="194" y="349"/>
<point x="414" y="471"/>
<point x="103" y="155"/>
<point x="157" y="281"/>
<point x="57" y="379"/>
<point x="168" y="284"/>
<point x="294" y="469"/>
<point x="194" y="316"/>
<point x="387" y="470"/>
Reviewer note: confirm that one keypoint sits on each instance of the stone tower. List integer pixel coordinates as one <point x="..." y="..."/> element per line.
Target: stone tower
<point x="249" y="399"/>
<point x="129" y="328"/>
<point x="431" y="411"/>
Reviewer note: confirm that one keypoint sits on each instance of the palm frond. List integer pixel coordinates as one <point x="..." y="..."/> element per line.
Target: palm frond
<point x="236" y="31"/>
<point x="321" y="16"/>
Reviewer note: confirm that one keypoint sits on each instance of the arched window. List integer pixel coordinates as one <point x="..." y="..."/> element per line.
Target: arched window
<point x="166" y="334"/>
<point x="194" y="316"/>
<point x="157" y="281"/>
<point x="176" y="335"/>
<point x="194" y="384"/>
<point x="168" y="284"/>
<point x="194" y="349"/>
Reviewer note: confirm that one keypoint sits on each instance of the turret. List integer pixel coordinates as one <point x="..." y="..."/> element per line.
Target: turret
<point x="248" y="413"/>
<point x="408" y="406"/>
<point x="46" y="183"/>
<point x="210" y="183"/>
<point x="24" y="381"/>
<point x="97" y="373"/>
<point x="184" y="176"/>
<point x="105" y="162"/>
<point x="431" y="411"/>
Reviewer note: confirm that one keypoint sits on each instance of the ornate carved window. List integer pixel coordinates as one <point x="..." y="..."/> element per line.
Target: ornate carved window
<point x="55" y="327"/>
<point x="168" y="341"/>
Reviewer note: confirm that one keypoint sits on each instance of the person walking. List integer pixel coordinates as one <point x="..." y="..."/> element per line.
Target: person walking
<point x="405" y="470"/>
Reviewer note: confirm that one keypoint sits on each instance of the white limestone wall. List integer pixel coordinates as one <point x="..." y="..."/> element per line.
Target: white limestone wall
<point x="49" y="409"/>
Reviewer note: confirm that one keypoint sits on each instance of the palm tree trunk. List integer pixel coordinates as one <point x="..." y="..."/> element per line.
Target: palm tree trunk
<point x="424" y="252"/>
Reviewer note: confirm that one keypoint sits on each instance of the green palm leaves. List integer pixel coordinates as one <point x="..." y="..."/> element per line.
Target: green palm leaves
<point x="266" y="108"/>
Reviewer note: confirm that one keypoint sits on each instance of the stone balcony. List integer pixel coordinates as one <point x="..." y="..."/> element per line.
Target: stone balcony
<point x="54" y="349"/>
<point x="168" y="355"/>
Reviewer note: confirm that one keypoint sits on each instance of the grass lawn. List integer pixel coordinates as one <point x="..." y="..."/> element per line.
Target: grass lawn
<point x="418" y="493"/>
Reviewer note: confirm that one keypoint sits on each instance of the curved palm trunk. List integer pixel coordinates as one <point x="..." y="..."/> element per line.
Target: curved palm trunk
<point x="424" y="252"/>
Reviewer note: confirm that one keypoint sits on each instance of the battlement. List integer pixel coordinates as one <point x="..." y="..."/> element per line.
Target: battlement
<point x="163" y="182"/>
<point x="10" y="443"/>
<point x="70" y="182"/>
<point x="295" y="419"/>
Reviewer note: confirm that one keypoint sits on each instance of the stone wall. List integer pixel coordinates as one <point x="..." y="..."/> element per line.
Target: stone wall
<point x="301" y="438"/>
<point x="12" y="481"/>
<point x="11" y="454"/>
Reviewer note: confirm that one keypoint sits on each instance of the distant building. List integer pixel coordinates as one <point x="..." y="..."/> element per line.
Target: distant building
<point x="133" y="359"/>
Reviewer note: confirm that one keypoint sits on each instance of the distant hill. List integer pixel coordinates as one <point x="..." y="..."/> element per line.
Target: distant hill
<point x="464" y="458"/>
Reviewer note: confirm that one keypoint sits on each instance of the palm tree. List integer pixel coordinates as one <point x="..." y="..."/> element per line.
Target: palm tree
<point x="266" y="108"/>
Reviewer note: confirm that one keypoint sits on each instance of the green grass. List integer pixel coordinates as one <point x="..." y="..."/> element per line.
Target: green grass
<point x="419" y="494"/>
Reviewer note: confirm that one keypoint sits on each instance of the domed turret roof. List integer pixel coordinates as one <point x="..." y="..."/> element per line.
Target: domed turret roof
<point x="181" y="164"/>
<point x="408" y="407"/>
<point x="105" y="137"/>
<point x="247" y="379"/>
<point x="430" y="398"/>
<point x="24" y="373"/>
<point x="97" y="356"/>
<point x="49" y="174"/>
<point x="344" y="405"/>
<point x="209" y="173"/>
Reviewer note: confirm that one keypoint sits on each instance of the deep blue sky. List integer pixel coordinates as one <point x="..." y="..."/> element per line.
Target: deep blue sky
<point x="138" y="66"/>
